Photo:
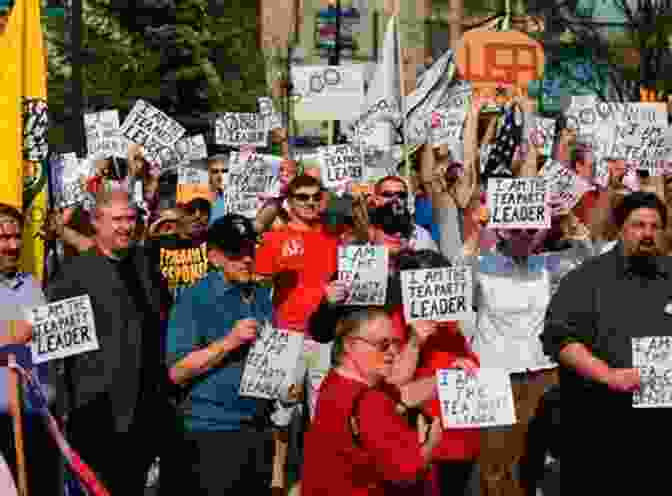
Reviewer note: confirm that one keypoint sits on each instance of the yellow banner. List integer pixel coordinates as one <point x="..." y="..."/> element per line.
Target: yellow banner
<point x="23" y="125"/>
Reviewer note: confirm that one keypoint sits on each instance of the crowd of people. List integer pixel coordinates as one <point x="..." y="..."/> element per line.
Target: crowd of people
<point x="180" y="293"/>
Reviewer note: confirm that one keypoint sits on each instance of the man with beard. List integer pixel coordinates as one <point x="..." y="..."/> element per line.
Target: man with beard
<point x="591" y="321"/>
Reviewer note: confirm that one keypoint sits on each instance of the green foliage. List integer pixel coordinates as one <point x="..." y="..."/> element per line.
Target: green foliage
<point x="127" y="66"/>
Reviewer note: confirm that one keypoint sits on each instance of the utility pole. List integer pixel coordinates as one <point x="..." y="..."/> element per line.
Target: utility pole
<point x="335" y="59"/>
<point x="76" y="96"/>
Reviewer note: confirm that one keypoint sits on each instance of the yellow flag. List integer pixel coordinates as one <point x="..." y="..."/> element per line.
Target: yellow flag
<point x="23" y="125"/>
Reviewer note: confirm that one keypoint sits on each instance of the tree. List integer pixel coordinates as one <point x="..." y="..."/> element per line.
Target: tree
<point x="637" y="56"/>
<point x="174" y="54"/>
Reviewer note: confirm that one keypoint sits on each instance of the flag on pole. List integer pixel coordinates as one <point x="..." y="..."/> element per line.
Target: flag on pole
<point x="23" y="125"/>
<point x="381" y="119"/>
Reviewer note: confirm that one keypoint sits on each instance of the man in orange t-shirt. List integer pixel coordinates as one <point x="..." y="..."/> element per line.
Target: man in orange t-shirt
<point x="301" y="258"/>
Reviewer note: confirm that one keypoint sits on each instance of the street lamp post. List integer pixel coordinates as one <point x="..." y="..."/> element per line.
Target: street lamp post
<point x="335" y="58"/>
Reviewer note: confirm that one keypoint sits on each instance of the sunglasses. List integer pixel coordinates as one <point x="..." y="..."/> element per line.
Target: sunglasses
<point x="388" y="195"/>
<point x="305" y="198"/>
<point x="381" y="346"/>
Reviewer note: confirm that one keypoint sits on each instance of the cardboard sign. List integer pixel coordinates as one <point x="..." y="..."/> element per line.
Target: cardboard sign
<point x="327" y="92"/>
<point x="340" y="164"/>
<point x="496" y="59"/>
<point x="241" y="129"/>
<point x="519" y="203"/>
<point x="653" y="357"/>
<point x="183" y="267"/>
<point x="565" y="187"/>
<point x="103" y="136"/>
<point x="482" y="400"/>
<point x="366" y="269"/>
<point x="249" y="176"/>
<point x="62" y="329"/>
<point x="271" y="365"/>
<point x="646" y="146"/>
<point x="447" y="126"/>
<point x="184" y="151"/>
<point x="267" y="111"/>
<point x="585" y="114"/>
<point x="74" y="173"/>
<point x="148" y="126"/>
<point x="442" y="295"/>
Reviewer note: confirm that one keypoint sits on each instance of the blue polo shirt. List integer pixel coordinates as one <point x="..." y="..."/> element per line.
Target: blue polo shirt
<point x="205" y="313"/>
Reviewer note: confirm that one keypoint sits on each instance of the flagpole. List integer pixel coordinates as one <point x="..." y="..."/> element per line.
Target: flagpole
<point x="402" y="84"/>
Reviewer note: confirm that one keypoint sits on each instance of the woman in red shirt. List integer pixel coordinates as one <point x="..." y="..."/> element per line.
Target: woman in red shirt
<point x="358" y="443"/>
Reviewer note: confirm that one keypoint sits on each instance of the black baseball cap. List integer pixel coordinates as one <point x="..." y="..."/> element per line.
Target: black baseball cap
<point x="233" y="234"/>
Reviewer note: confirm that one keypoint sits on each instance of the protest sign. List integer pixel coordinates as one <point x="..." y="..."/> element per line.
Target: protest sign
<point x="327" y="92"/>
<point x="484" y="399"/>
<point x="183" y="151"/>
<point x="249" y="176"/>
<point x="241" y="129"/>
<point x="183" y="264"/>
<point x="340" y="164"/>
<point x="644" y="145"/>
<point x="267" y="111"/>
<point x="271" y="365"/>
<point x="518" y="203"/>
<point x="148" y="126"/>
<point x="443" y="294"/>
<point x="365" y="267"/>
<point x="565" y="187"/>
<point x="653" y="357"/>
<point x="447" y="126"/>
<point x="74" y="173"/>
<point x="103" y="136"/>
<point x="62" y="329"/>
<point x="585" y="114"/>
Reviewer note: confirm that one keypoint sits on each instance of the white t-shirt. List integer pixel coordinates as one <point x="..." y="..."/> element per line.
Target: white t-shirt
<point x="511" y="308"/>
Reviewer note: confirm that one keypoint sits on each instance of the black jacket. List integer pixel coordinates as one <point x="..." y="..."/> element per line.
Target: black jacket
<point x="130" y="356"/>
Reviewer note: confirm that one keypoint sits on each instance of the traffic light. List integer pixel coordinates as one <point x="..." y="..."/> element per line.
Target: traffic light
<point x="648" y="95"/>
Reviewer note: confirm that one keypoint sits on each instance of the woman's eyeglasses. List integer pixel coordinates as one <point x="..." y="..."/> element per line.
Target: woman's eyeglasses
<point x="305" y="198"/>
<point x="381" y="346"/>
<point x="390" y="195"/>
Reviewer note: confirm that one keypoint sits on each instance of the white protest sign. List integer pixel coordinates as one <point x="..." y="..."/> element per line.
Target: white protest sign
<point x="272" y="363"/>
<point x="365" y="267"/>
<point x="518" y="203"/>
<point x="443" y="294"/>
<point x="565" y="187"/>
<point x="447" y="126"/>
<point x="645" y="145"/>
<point x="249" y="176"/>
<point x="653" y="357"/>
<point x="185" y="150"/>
<point x="327" y="92"/>
<point x="192" y="176"/>
<point x="103" y="136"/>
<point x="267" y="111"/>
<point x="340" y="164"/>
<point x="585" y="114"/>
<point x="484" y="399"/>
<point x="62" y="329"/>
<point x="75" y="171"/>
<point x="148" y="126"/>
<point x="241" y="129"/>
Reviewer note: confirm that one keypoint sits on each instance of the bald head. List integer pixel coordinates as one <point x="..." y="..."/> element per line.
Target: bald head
<point x="114" y="221"/>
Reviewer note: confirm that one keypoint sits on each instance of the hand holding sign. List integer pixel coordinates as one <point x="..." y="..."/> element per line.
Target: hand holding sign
<point x="623" y="380"/>
<point x="244" y="331"/>
<point x="336" y="292"/>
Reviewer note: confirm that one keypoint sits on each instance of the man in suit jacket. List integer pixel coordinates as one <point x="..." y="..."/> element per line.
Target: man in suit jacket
<point x="116" y="395"/>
